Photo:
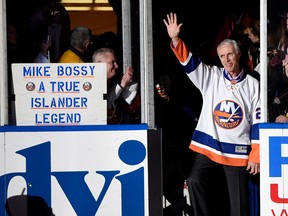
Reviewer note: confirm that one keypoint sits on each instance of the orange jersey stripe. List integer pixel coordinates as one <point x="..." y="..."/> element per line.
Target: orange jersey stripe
<point x="254" y="155"/>
<point x="180" y="51"/>
<point x="220" y="158"/>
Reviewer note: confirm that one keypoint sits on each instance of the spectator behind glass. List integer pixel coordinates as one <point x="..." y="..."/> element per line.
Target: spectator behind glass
<point x="13" y="53"/>
<point x="277" y="82"/>
<point x="282" y="65"/>
<point x="227" y="125"/>
<point x="253" y="32"/>
<point x="283" y="118"/>
<point x="49" y="18"/>
<point x="79" y="41"/>
<point x="126" y="89"/>
<point x="13" y="56"/>
<point x="44" y="54"/>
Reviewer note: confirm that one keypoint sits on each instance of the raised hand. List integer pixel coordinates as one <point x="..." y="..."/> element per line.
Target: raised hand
<point x="173" y="28"/>
<point x="127" y="77"/>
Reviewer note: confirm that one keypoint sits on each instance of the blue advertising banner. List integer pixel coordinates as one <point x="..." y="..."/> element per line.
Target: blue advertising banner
<point x="274" y="169"/>
<point x="85" y="170"/>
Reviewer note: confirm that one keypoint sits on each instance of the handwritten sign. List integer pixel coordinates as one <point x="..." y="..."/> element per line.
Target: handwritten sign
<point x="60" y="94"/>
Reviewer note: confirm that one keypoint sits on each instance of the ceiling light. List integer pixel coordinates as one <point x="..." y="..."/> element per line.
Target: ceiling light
<point x="71" y="8"/>
<point x="84" y="1"/>
<point x="86" y="5"/>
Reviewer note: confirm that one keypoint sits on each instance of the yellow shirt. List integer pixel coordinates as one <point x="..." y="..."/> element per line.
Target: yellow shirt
<point x="70" y="57"/>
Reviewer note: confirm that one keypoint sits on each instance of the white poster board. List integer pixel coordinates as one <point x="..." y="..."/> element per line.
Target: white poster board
<point x="78" y="171"/>
<point x="60" y="94"/>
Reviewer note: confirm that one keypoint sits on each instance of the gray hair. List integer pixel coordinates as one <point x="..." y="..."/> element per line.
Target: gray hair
<point x="230" y="42"/>
<point x="80" y="36"/>
<point x="101" y="52"/>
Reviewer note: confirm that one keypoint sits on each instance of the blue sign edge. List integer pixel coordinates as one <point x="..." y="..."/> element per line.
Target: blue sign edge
<point x="9" y="128"/>
<point x="273" y="125"/>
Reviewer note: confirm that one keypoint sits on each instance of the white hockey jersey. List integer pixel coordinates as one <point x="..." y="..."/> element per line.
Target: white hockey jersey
<point x="227" y="130"/>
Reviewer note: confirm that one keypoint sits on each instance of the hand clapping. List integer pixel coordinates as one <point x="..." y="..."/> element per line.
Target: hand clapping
<point x="127" y="77"/>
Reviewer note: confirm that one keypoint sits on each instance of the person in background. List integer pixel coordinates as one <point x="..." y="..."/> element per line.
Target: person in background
<point x="277" y="66"/>
<point x="49" y="18"/>
<point x="44" y="54"/>
<point x="80" y="39"/>
<point x="125" y="90"/>
<point x="13" y="56"/>
<point x="226" y="139"/>
<point x="276" y="79"/>
<point x="253" y="32"/>
<point x="283" y="118"/>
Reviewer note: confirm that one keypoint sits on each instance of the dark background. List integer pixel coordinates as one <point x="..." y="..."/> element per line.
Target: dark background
<point x="202" y="19"/>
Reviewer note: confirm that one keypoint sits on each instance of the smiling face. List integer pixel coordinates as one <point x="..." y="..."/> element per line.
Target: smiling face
<point x="229" y="59"/>
<point x="111" y="63"/>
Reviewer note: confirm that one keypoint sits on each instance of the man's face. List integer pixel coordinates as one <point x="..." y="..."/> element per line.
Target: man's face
<point x="229" y="58"/>
<point x="111" y="64"/>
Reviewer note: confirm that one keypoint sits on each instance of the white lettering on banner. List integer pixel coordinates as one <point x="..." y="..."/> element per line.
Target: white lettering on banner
<point x="58" y="103"/>
<point x="58" y="118"/>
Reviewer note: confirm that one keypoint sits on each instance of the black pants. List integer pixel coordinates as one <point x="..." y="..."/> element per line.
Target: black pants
<point x="216" y="189"/>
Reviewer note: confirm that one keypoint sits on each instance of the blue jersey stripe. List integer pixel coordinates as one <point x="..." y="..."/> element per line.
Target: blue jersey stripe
<point x="192" y="64"/>
<point x="224" y="147"/>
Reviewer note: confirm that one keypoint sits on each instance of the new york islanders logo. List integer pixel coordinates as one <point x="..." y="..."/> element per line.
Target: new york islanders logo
<point x="228" y="114"/>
